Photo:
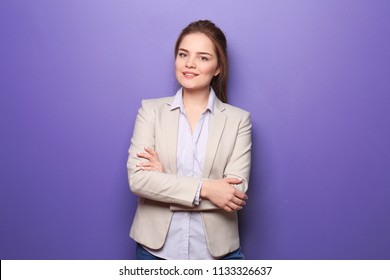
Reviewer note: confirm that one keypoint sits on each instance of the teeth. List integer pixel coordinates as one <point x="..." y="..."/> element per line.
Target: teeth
<point x="188" y="74"/>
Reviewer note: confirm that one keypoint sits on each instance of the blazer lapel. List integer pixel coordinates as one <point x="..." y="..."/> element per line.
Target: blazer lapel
<point x="171" y="123"/>
<point x="217" y="124"/>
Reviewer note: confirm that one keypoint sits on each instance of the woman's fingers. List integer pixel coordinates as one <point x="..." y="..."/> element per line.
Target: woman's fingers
<point x="151" y="151"/>
<point x="230" y="207"/>
<point x="236" y="201"/>
<point x="146" y="156"/>
<point x="232" y="181"/>
<point x="239" y="202"/>
<point x="150" y="155"/>
<point x="151" y="166"/>
<point x="236" y="204"/>
<point x="241" y="195"/>
<point x="148" y="166"/>
<point x="153" y="163"/>
<point x="223" y="194"/>
<point x="235" y="181"/>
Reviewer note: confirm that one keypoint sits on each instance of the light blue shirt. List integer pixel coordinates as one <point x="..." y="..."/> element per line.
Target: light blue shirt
<point x="186" y="237"/>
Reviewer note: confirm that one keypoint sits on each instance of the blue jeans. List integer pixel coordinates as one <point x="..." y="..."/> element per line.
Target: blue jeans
<point x="142" y="254"/>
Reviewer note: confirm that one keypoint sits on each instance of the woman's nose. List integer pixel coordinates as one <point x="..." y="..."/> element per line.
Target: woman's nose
<point x="190" y="63"/>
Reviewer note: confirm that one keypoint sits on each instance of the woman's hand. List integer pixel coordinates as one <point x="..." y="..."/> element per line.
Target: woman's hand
<point x="223" y="194"/>
<point x="153" y="164"/>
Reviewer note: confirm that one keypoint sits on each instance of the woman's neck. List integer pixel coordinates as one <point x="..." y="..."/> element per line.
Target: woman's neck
<point x="196" y="99"/>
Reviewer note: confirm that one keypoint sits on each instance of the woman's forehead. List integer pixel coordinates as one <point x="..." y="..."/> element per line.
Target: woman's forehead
<point x="197" y="42"/>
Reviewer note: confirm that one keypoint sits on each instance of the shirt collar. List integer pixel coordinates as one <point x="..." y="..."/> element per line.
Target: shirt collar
<point x="178" y="101"/>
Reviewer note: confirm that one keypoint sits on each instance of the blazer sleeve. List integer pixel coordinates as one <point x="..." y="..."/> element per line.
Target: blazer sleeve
<point x="157" y="186"/>
<point x="238" y="166"/>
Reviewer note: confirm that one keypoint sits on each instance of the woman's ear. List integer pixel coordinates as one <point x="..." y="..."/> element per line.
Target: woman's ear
<point x="217" y="72"/>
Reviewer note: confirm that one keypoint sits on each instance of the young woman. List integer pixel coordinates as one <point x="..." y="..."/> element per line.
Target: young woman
<point x="189" y="159"/>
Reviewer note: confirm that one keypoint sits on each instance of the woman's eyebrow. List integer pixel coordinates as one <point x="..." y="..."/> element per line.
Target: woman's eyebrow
<point x="203" y="53"/>
<point x="184" y="50"/>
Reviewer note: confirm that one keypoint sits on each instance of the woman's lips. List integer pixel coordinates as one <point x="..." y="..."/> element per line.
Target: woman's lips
<point x="189" y="75"/>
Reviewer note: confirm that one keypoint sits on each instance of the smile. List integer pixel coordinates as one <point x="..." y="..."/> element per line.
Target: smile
<point x="189" y="75"/>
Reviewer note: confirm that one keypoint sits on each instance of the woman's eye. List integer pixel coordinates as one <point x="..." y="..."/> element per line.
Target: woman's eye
<point x="203" y="58"/>
<point x="182" y="54"/>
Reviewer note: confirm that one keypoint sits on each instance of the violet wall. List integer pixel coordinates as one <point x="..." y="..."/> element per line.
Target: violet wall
<point x="314" y="75"/>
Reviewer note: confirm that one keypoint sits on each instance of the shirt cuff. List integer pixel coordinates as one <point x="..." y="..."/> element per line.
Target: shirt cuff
<point x="197" y="198"/>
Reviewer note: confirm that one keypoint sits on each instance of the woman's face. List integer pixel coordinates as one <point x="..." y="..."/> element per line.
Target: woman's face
<point x="196" y="62"/>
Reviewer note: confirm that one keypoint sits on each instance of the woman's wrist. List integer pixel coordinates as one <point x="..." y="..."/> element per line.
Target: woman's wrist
<point x="204" y="188"/>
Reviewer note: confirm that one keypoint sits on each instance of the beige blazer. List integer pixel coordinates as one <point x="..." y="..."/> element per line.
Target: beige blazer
<point x="228" y="154"/>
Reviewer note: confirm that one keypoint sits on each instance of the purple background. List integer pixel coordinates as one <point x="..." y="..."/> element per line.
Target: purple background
<point x="314" y="75"/>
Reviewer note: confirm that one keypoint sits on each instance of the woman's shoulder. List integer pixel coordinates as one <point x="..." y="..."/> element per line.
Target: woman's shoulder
<point x="156" y="102"/>
<point x="237" y="115"/>
<point x="235" y="111"/>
